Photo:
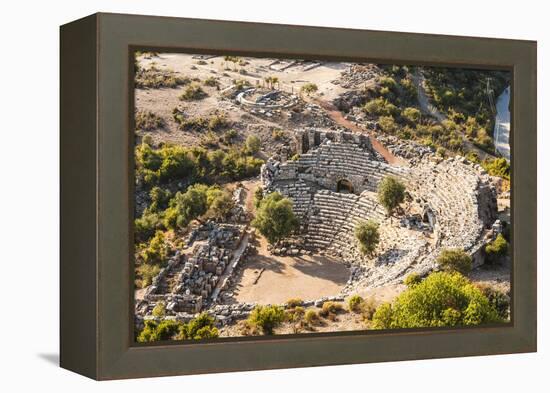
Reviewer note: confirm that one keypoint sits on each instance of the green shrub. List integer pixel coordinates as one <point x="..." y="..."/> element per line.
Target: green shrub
<point x="456" y="260"/>
<point x="159" y="331"/>
<point x="387" y="124"/>
<point x="267" y="318"/>
<point x="380" y="107"/>
<point x="412" y="279"/>
<point x="278" y="135"/>
<point x="294" y="302"/>
<point x="159" y="310"/>
<point x="186" y="206"/>
<point x="499" y="300"/>
<point x="411" y="114"/>
<point x="145" y="274"/>
<point x="329" y="310"/>
<point x="442" y="299"/>
<point x="275" y="217"/>
<point x="367" y="235"/>
<point x="253" y="144"/>
<point x="154" y="78"/>
<point x="309" y="88"/>
<point x="199" y="328"/>
<point x="497" y="167"/>
<point x="497" y="248"/>
<point x="311" y="317"/>
<point x="391" y="193"/>
<point x="220" y="203"/>
<point x="211" y="81"/>
<point x="146" y="226"/>
<point x="193" y="92"/>
<point x="156" y="251"/>
<point x="355" y="302"/>
<point x="258" y="197"/>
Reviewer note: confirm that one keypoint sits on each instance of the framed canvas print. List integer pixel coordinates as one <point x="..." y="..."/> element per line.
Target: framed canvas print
<point x="240" y="196"/>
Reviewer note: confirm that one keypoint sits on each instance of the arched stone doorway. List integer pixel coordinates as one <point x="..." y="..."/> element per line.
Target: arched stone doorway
<point x="344" y="186"/>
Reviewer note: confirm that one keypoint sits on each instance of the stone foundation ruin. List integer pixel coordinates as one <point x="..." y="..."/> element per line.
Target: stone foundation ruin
<point x="332" y="183"/>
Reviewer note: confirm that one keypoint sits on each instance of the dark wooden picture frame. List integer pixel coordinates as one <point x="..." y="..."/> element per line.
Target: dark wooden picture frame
<point x="96" y="195"/>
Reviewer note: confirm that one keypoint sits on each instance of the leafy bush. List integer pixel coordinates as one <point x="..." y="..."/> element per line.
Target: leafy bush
<point x="193" y="92"/>
<point x="412" y="279"/>
<point x="411" y="114"/>
<point x="367" y="236"/>
<point x="154" y="78"/>
<point x="148" y="121"/>
<point x="169" y="162"/>
<point x="294" y="302"/>
<point x="199" y="328"/>
<point x="253" y="144"/>
<point x="497" y="248"/>
<point x="455" y="260"/>
<point x="220" y="203"/>
<point x="311" y="317"/>
<point x="267" y="318"/>
<point x="258" y="197"/>
<point x="145" y="274"/>
<point x="156" y="251"/>
<point x="211" y="81"/>
<point x="497" y="167"/>
<point x="355" y="302"/>
<point x="309" y="88"/>
<point x="146" y="226"/>
<point x="159" y="310"/>
<point x="442" y="299"/>
<point x="278" y="135"/>
<point x="391" y="193"/>
<point x="159" y="331"/>
<point x="275" y="217"/>
<point x="329" y="310"/>
<point x="499" y="300"/>
<point x="186" y="206"/>
<point x="380" y="107"/>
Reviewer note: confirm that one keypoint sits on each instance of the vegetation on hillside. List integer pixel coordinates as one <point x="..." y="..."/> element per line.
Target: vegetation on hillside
<point x="199" y="328"/>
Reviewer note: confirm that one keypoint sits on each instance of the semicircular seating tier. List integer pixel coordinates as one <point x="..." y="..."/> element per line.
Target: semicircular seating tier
<point x="333" y="188"/>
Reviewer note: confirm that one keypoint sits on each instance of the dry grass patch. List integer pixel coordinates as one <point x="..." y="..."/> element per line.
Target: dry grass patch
<point x="148" y="121"/>
<point x="154" y="78"/>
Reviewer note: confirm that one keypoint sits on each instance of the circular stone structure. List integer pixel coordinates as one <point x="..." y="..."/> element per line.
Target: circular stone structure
<point x="450" y="204"/>
<point x="266" y="99"/>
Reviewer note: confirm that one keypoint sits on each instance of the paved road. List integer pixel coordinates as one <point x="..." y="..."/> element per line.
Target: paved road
<point x="501" y="134"/>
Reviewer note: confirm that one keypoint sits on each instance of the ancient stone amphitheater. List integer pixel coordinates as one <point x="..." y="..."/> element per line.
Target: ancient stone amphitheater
<point x="450" y="204"/>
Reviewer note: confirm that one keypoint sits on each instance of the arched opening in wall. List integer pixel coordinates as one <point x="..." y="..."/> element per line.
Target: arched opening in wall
<point x="344" y="186"/>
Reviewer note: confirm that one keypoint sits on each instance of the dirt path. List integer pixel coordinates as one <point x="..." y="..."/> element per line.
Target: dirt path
<point x="339" y="119"/>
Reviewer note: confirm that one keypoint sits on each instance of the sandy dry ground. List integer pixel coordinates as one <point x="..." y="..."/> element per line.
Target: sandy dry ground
<point x="495" y="275"/>
<point x="269" y="279"/>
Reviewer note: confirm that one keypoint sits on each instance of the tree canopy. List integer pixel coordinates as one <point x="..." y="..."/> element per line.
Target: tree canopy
<point x="455" y="259"/>
<point x="367" y="235"/>
<point x="442" y="299"/>
<point x="391" y="192"/>
<point x="275" y="217"/>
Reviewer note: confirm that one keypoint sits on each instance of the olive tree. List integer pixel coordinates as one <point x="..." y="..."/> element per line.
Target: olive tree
<point x="367" y="236"/>
<point x="391" y="192"/>
<point x="275" y="217"/>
